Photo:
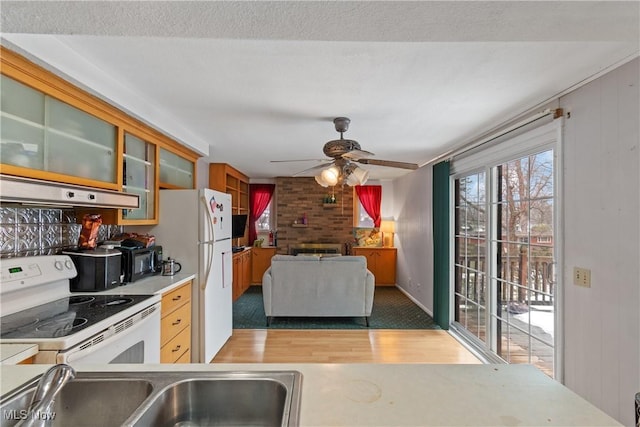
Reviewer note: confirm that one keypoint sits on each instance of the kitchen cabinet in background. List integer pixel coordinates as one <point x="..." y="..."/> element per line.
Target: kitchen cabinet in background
<point x="241" y="272"/>
<point x="227" y="179"/>
<point x="381" y="262"/>
<point x="175" y="331"/>
<point x="260" y="261"/>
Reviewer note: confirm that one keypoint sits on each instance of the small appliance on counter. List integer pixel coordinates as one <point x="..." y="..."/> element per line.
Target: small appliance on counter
<point x="139" y="262"/>
<point x="98" y="269"/>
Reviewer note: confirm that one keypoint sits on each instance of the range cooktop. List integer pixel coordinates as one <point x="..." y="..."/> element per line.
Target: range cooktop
<point x="65" y="316"/>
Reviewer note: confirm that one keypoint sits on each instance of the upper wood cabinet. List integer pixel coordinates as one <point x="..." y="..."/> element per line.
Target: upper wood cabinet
<point x="44" y="134"/>
<point x="53" y="130"/>
<point x="176" y="171"/>
<point x="140" y="177"/>
<point x="227" y="179"/>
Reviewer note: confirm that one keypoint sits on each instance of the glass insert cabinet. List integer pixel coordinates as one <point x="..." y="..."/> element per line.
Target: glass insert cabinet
<point x="139" y="176"/>
<point x="53" y="130"/>
<point x="40" y="132"/>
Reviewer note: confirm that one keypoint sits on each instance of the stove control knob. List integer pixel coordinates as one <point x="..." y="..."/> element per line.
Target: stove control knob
<point x="68" y="264"/>
<point x="58" y="265"/>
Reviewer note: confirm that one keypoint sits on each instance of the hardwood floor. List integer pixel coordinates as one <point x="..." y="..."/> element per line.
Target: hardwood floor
<point x="343" y="346"/>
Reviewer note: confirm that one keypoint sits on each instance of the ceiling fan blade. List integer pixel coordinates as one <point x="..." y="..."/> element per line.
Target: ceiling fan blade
<point x="313" y="169"/>
<point x="390" y="163"/>
<point x="357" y="154"/>
<point x="298" y="160"/>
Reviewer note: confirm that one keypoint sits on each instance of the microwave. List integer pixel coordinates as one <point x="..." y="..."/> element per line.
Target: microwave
<point x="138" y="263"/>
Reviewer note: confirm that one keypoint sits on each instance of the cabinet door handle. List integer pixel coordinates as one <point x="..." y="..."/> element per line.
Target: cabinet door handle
<point x="177" y="298"/>
<point x="177" y="322"/>
<point x="176" y="349"/>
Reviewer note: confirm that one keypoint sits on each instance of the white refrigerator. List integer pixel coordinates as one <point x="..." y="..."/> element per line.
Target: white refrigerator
<point x="195" y="230"/>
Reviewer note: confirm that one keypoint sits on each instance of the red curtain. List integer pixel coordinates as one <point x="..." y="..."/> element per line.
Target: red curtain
<point x="259" y="198"/>
<point x="371" y="196"/>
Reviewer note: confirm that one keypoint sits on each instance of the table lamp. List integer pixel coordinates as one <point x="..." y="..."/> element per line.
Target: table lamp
<point x="388" y="227"/>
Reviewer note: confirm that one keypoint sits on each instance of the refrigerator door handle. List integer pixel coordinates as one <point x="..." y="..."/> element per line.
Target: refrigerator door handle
<point x="203" y="283"/>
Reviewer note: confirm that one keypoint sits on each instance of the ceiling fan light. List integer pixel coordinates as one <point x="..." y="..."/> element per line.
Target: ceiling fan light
<point x="361" y="175"/>
<point x="351" y="180"/>
<point x="321" y="181"/>
<point x="330" y="175"/>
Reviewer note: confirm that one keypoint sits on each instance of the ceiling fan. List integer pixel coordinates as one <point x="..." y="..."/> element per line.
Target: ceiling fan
<point x="345" y="154"/>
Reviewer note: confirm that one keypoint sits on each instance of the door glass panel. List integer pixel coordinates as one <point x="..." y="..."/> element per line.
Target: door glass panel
<point x="22" y="125"/>
<point x="22" y="144"/>
<point x="175" y="170"/>
<point x="470" y="229"/>
<point x="21" y="101"/>
<point x="75" y="123"/>
<point x="139" y="176"/>
<point x="71" y="156"/>
<point x="526" y="241"/>
<point x="41" y="132"/>
<point x="504" y="288"/>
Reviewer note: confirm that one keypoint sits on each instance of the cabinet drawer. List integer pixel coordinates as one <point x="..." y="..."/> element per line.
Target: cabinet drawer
<point x="175" y="298"/>
<point x="174" y="322"/>
<point x="171" y="351"/>
<point x="185" y="358"/>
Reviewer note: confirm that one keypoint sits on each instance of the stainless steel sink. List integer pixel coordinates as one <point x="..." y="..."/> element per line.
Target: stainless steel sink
<point x="99" y="402"/>
<point x="256" y="398"/>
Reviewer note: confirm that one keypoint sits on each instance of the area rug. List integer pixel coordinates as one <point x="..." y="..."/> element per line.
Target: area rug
<point x="391" y="310"/>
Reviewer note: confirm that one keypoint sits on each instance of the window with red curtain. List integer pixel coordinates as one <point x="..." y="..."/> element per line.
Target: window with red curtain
<point x="259" y="198"/>
<point x="371" y="197"/>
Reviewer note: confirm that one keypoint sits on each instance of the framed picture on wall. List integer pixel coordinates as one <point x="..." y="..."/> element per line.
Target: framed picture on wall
<point x="367" y="237"/>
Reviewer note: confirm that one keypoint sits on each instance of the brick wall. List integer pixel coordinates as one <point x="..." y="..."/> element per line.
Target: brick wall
<point x="297" y="196"/>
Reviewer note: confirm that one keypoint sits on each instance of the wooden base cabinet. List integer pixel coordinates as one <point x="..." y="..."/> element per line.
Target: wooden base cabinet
<point x="381" y="262"/>
<point x="261" y="260"/>
<point x="175" y="330"/>
<point x="241" y="272"/>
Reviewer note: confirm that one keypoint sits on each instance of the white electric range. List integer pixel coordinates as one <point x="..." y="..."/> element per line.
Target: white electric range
<point x="37" y="308"/>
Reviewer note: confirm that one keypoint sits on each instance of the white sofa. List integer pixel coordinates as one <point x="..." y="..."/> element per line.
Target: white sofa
<point x="317" y="286"/>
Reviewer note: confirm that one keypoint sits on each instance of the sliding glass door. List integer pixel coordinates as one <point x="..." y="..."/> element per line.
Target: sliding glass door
<point x="522" y="276"/>
<point x="503" y="281"/>
<point x="471" y="292"/>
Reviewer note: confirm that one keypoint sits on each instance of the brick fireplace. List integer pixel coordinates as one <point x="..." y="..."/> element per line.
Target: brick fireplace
<point x="326" y="223"/>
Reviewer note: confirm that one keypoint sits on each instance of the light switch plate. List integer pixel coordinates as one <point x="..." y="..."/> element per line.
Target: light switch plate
<point x="582" y="277"/>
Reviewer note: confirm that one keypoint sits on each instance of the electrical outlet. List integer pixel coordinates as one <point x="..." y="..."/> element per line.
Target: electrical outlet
<point x="582" y="277"/>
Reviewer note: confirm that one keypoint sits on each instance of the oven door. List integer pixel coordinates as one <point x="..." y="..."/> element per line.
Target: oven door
<point x="134" y="340"/>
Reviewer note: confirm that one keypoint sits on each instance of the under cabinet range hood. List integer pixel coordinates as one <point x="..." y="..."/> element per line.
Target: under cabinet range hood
<point x="36" y="192"/>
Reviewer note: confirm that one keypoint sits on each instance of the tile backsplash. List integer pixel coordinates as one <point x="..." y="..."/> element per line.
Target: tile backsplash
<point x="42" y="231"/>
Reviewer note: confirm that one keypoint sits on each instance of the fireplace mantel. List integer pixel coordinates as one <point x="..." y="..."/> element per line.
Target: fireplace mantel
<point x="315" y="248"/>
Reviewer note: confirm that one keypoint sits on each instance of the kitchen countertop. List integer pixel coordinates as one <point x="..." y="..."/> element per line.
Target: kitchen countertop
<point x="154" y="285"/>
<point x="11" y="354"/>
<point x="404" y="394"/>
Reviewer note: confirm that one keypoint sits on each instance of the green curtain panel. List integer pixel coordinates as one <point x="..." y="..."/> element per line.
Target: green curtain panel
<point x="441" y="244"/>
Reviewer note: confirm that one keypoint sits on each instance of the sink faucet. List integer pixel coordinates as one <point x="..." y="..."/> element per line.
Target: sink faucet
<point x="51" y="382"/>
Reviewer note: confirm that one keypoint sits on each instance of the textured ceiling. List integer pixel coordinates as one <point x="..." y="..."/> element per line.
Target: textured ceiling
<point x="248" y="82"/>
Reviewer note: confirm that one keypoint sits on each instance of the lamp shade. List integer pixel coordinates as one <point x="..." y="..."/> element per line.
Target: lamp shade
<point x="361" y="174"/>
<point x="321" y="181"/>
<point x="388" y="226"/>
<point x="330" y="175"/>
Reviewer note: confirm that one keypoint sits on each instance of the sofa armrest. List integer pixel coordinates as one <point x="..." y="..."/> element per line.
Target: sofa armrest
<point x="266" y="291"/>
<point x="369" y="290"/>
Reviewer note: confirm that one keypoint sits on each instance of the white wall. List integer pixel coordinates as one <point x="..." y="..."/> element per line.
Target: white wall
<point x="414" y="237"/>
<point x="602" y="233"/>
